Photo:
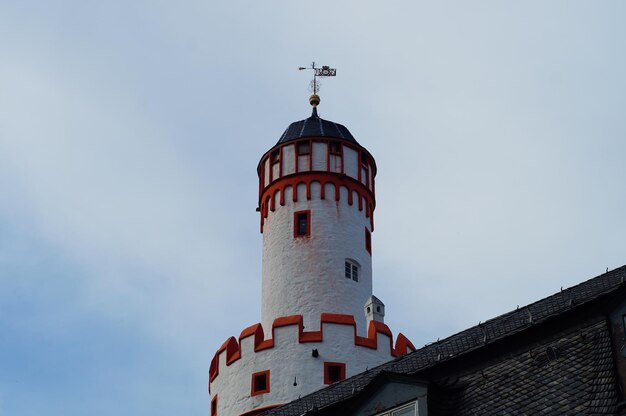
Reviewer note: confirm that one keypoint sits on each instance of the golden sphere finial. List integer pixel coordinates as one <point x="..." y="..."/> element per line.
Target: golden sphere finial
<point x="314" y="100"/>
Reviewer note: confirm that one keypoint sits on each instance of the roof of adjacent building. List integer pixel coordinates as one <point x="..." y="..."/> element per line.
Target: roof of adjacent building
<point x="315" y="126"/>
<point x="591" y="360"/>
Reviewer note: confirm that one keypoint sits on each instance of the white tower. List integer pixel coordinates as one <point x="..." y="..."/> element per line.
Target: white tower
<point x="320" y="322"/>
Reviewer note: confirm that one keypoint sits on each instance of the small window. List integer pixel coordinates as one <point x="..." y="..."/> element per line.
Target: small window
<point x="302" y="224"/>
<point x="368" y="241"/>
<point x="303" y="149"/>
<point x="405" y="411"/>
<point x="275" y="156"/>
<point x="335" y="148"/>
<point x="260" y="383"/>
<point x="352" y="270"/>
<point x="214" y="406"/>
<point x="364" y="160"/>
<point x="334" y="372"/>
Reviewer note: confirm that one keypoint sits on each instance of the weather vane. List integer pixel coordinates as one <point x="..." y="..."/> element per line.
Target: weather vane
<point x="324" y="71"/>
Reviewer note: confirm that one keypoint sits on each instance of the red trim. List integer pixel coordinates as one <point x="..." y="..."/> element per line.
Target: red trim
<point x="296" y="224"/>
<point x="296" y="160"/>
<point x="298" y="154"/>
<point x="280" y="160"/>
<point x="233" y="352"/>
<point x="403" y="345"/>
<point x="356" y="147"/>
<point x="342" y="371"/>
<point x="253" y="388"/>
<point x="339" y="153"/>
<point x="273" y="162"/>
<point x="368" y="241"/>
<point x="260" y="410"/>
<point x="214" y="406"/>
<point x="307" y="178"/>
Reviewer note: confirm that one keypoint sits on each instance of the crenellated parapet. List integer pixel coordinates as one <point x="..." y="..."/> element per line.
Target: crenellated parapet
<point x="317" y="185"/>
<point x="294" y="361"/>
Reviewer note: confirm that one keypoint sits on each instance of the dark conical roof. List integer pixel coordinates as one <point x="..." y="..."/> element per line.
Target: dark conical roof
<point x="314" y="126"/>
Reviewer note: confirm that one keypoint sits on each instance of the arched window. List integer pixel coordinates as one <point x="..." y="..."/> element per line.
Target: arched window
<point x="352" y="270"/>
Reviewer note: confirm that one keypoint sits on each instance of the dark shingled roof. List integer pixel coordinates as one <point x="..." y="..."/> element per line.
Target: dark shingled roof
<point x="577" y="379"/>
<point x="314" y="126"/>
<point x="481" y="335"/>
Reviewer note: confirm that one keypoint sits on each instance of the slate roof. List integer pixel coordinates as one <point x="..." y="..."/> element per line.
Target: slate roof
<point x="315" y="126"/>
<point x="473" y="339"/>
<point x="577" y="379"/>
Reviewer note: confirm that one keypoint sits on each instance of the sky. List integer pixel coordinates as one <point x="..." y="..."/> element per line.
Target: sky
<point x="130" y="133"/>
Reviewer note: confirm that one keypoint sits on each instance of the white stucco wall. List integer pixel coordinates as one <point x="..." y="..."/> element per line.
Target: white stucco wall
<point x="288" y="161"/>
<point x="351" y="160"/>
<point x="319" y="155"/>
<point x="266" y="169"/>
<point x="289" y="359"/>
<point x="305" y="275"/>
<point x="303" y="163"/>
<point x="334" y="162"/>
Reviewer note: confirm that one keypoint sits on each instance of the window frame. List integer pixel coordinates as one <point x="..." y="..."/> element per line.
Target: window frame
<point x="368" y="241"/>
<point x="296" y="223"/>
<point x="393" y="411"/>
<point x="301" y="144"/>
<point x="342" y="371"/>
<point x="335" y="148"/>
<point x="254" y="391"/>
<point x="352" y="264"/>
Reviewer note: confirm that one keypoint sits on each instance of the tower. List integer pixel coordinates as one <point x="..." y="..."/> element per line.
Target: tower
<point x="320" y="322"/>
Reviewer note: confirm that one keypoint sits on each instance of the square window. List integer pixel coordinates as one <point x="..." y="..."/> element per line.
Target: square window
<point x="302" y="224"/>
<point x="303" y="149"/>
<point x="334" y="372"/>
<point x="351" y="270"/>
<point x="260" y="383"/>
<point x="275" y="156"/>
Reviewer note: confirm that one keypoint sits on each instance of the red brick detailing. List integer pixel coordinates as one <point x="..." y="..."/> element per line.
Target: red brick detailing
<point x="255" y="389"/>
<point x="267" y="198"/>
<point x="342" y="373"/>
<point x="214" y="406"/>
<point x="403" y="345"/>
<point x="233" y="352"/>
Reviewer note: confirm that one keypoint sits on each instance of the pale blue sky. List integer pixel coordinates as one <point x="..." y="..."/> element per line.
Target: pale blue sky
<point x="130" y="135"/>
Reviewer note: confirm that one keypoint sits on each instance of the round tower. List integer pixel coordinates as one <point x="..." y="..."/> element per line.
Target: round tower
<point x="320" y="322"/>
<point x="316" y="198"/>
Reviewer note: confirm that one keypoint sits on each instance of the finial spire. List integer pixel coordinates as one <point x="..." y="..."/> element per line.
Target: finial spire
<point x="324" y="71"/>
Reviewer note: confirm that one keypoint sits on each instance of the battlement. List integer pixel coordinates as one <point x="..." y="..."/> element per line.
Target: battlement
<point x="325" y="185"/>
<point x="233" y="351"/>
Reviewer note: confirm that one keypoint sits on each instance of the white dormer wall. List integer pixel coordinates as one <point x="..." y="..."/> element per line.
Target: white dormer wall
<point x="346" y="162"/>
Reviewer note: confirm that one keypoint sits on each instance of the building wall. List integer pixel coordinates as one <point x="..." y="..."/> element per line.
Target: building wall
<point x="288" y="357"/>
<point x="305" y="275"/>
